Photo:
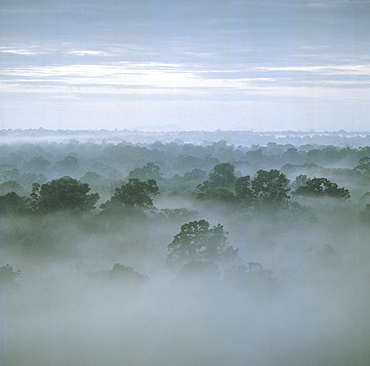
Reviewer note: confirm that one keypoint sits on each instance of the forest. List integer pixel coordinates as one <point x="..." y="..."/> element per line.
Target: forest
<point x="184" y="248"/>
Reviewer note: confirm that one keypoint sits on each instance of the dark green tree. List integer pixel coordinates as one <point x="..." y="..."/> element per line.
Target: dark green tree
<point x="319" y="187"/>
<point x="217" y="194"/>
<point x="134" y="194"/>
<point x="63" y="194"/>
<point x="221" y="176"/>
<point x="12" y="203"/>
<point x="300" y="180"/>
<point x="243" y="190"/>
<point x="270" y="189"/>
<point x="198" y="241"/>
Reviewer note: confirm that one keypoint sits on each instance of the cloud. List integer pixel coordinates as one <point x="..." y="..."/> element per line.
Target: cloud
<point x="170" y="81"/>
<point x="361" y="69"/>
<point x="89" y="53"/>
<point x="30" y="51"/>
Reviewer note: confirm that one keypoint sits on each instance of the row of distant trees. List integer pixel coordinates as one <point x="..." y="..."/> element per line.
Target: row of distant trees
<point x="266" y="189"/>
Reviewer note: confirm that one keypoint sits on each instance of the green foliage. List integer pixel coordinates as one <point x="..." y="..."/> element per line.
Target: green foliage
<point x="198" y="241"/>
<point x="267" y="189"/>
<point x="299" y="181"/>
<point x="64" y="194"/>
<point x="23" y="180"/>
<point x="177" y="213"/>
<point x="11" y="186"/>
<point x="363" y="166"/>
<point x="148" y="171"/>
<point x="221" y="176"/>
<point x="12" y="203"/>
<point x="320" y="187"/>
<point x="219" y="194"/>
<point x="195" y="174"/>
<point x="134" y="194"/>
<point x="270" y="189"/>
<point x="243" y="190"/>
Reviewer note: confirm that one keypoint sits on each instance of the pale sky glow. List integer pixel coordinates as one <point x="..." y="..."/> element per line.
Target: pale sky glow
<point x="254" y="65"/>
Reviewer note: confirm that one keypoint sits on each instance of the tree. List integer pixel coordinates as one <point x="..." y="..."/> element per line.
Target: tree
<point x="134" y="194"/>
<point x="12" y="203"/>
<point x="148" y="171"/>
<point x="198" y="241"/>
<point x="300" y="180"/>
<point x="64" y="194"/>
<point x="363" y="166"/>
<point x="11" y="186"/>
<point x="127" y="275"/>
<point x="221" y="176"/>
<point x="319" y="187"/>
<point x="38" y="164"/>
<point x="195" y="174"/>
<point x="243" y="190"/>
<point x="219" y="194"/>
<point x="270" y="189"/>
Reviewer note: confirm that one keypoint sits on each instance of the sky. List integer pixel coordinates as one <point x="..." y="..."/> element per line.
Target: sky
<point x="190" y="65"/>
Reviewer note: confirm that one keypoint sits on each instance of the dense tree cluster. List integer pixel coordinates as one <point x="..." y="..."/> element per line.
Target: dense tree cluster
<point x="320" y="187"/>
<point x="198" y="241"/>
<point x="266" y="189"/>
<point x="64" y="194"/>
<point x="124" y="236"/>
<point x="110" y="183"/>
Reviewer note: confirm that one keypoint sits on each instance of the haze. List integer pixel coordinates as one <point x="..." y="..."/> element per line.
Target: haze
<point x="133" y="248"/>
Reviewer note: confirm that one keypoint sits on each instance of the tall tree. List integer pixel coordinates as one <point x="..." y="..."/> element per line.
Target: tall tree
<point x="243" y="190"/>
<point x="134" y="194"/>
<point x="63" y="194"/>
<point x="12" y="203"/>
<point x="320" y="187"/>
<point x="221" y="176"/>
<point x="198" y="241"/>
<point x="270" y="188"/>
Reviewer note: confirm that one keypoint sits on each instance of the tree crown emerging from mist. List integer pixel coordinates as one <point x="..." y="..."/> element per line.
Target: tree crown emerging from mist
<point x="134" y="194"/>
<point x="64" y="194"/>
<point x="198" y="241"/>
<point x="320" y="187"/>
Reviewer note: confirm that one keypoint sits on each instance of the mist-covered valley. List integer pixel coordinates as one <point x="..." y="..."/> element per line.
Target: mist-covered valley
<point x="232" y="249"/>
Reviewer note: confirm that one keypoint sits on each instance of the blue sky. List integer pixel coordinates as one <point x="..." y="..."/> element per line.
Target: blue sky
<point x="252" y="65"/>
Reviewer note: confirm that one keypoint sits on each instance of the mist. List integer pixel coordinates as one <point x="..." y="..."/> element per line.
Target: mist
<point x="97" y="287"/>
